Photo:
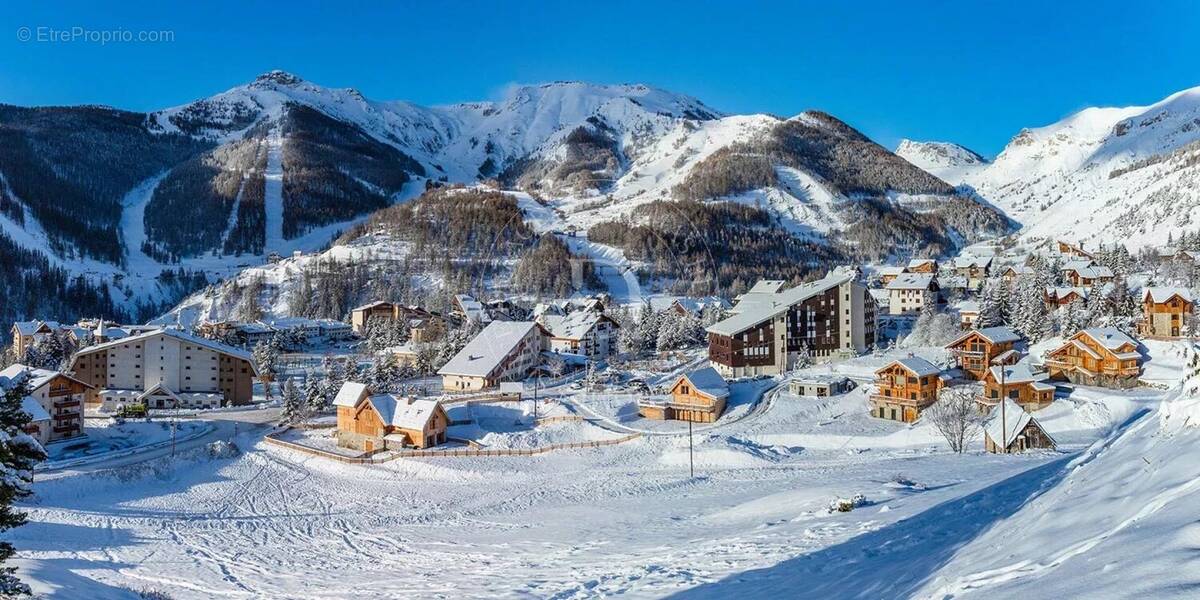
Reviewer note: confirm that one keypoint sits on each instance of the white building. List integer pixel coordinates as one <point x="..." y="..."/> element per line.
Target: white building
<point x="586" y="333"/>
<point x="908" y="293"/>
<point x="503" y="351"/>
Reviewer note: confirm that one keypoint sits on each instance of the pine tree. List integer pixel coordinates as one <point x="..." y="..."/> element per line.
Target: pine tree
<point x="294" y="410"/>
<point x="315" y="396"/>
<point x="18" y="454"/>
<point x="993" y="304"/>
<point x="266" y="358"/>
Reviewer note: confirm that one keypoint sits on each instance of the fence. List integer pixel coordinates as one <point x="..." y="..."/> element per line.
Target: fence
<point x="473" y="452"/>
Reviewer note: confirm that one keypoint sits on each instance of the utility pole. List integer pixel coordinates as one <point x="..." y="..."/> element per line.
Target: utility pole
<point x="1003" y="420"/>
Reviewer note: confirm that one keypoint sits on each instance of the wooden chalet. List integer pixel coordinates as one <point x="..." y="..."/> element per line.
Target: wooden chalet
<point x="1103" y="356"/>
<point x="1018" y="383"/>
<point x="968" y="313"/>
<point x="698" y="396"/>
<point x="373" y="422"/>
<point x="904" y="388"/>
<point x="1014" y="430"/>
<point x="1012" y="272"/>
<point x="887" y="274"/>
<point x="922" y="265"/>
<point x="976" y="351"/>
<point x="1086" y="274"/>
<point x="974" y="269"/>
<point x="1069" y="250"/>
<point x="424" y="326"/>
<point x="1165" y="311"/>
<point x="1062" y="296"/>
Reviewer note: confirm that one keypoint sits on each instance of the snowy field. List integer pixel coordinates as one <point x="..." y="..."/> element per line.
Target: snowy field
<point x="626" y="519"/>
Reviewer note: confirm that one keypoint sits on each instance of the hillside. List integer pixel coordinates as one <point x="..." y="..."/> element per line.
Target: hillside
<point x="282" y="164"/>
<point x="1101" y="175"/>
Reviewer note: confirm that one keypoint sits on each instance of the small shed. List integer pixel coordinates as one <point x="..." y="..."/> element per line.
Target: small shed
<point x="820" y="385"/>
<point x="1017" y="431"/>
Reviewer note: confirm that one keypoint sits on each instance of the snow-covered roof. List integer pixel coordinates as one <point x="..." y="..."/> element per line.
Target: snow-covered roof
<point x="920" y="262"/>
<point x="889" y="270"/>
<point x="183" y="337"/>
<point x="1075" y="265"/>
<point x="696" y="305"/>
<point x="31" y="327"/>
<point x="767" y="286"/>
<point x="36" y="377"/>
<point x="967" y="262"/>
<point x="402" y="412"/>
<point x="754" y="308"/>
<point x="1063" y="292"/>
<point x="882" y="297"/>
<point x="371" y="305"/>
<point x="911" y="281"/>
<point x="34" y="409"/>
<point x="1019" y="269"/>
<point x="485" y="351"/>
<point x="574" y="326"/>
<point x="707" y="381"/>
<point x="1093" y="272"/>
<point x="1014" y="422"/>
<point x="915" y="364"/>
<point x="350" y="394"/>
<point x="1019" y="373"/>
<point x="1162" y="294"/>
<point x="967" y="306"/>
<point x="1109" y="337"/>
<point x="999" y="334"/>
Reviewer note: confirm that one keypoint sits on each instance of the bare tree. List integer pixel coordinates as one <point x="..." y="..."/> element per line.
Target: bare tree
<point x="956" y="416"/>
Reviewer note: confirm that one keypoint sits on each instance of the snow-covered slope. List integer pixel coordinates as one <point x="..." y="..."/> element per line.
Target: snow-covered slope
<point x="1103" y="174"/>
<point x="1091" y="530"/>
<point x="947" y="160"/>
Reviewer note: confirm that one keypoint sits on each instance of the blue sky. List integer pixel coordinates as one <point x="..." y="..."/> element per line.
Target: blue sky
<point x="970" y="72"/>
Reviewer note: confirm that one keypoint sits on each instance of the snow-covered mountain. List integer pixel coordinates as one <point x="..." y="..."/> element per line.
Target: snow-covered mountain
<point x="282" y="164"/>
<point x="948" y="161"/>
<point x="1101" y="175"/>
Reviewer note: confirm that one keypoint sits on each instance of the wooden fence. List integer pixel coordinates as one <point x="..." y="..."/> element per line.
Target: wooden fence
<point x="471" y="452"/>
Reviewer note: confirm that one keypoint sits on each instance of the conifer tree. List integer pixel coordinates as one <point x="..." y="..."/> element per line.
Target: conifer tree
<point x="295" y="409"/>
<point x="18" y="454"/>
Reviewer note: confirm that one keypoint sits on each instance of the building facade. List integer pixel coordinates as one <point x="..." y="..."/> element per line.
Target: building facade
<point x="165" y="368"/>
<point x="904" y="388"/>
<point x="772" y="331"/>
<point x="1102" y="356"/>
<point x="1165" y="312"/>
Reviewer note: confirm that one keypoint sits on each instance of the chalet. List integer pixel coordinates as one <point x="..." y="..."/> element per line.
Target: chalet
<point x="922" y="265"/>
<point x="467" y="307"/>
<point x="1013" y="272"/>
<point x="1062" y="296"/>
<point x="1089" y="275"/>
<point x="904" y="388"/>
<point x="27" y="333"/>
<point x="887" y="274"/>
<point x="1018" y="383"/>
<point x="1102" y="356"/>
<point x="698" y="396"/>
<point x="968" y="313"/>
<point x="1069" y="250"/>
<point x="503" y="351"/>
<point x="55" y="401"/>
<point x="373" y="422"/>
<point x="405" y="354"/>
<point x="423" y="325"/>
<point x="697" y="306"/>
<point x="911" y="292"/>
<point x="165" y="368"/>
<point x="583" y="332"/>
<point x="974" y="269"/>
<point x="1165" y="311"/>
<point x="771" y="327"/>
<point x="1014" y="430"/>
<point x="975" y="351"/>
<point x="820" y="385"/>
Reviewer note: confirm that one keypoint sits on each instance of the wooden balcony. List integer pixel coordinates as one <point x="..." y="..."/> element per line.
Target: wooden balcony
<point x="878" y="399"/>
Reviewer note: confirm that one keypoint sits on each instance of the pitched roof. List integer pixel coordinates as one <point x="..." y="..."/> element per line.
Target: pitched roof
<point x="755" y="308"/>
<point x="1014" y="422"/>
<point x="1018" y="373"/>
<point x="37" y="377"/>
<point x="995" y="335"/>
<point x="371" y="305"/>
<point x="919" y="262"/>
<point x="31" y="327"/>
<point x="1109" y="337"/>
<point x="414" y="414"/>
<point x="573" y="326"/>
<point x="181" y="336"/>
<point x="966" y="262"/>
<point x="911" y="281"/>
<point x="34" y="409"/>
<point x="1162" y="294"/>
<point x="916" y="364"/>
<point x="707" y="381"/>
<point x="889" y="270"/>
<point x="350" y="394"/>
<point x="967" y="306"/>
<point x="487" y="350"/>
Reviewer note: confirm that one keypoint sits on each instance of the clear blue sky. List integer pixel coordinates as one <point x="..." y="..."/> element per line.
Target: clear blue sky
<point x="970" y="72"/>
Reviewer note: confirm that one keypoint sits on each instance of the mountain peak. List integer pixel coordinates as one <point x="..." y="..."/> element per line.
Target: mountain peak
<point x="938" y="155"/>
<point x="278" y="77"/>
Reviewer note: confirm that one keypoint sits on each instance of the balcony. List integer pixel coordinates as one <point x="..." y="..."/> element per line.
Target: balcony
<point x="878" y="399"/>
